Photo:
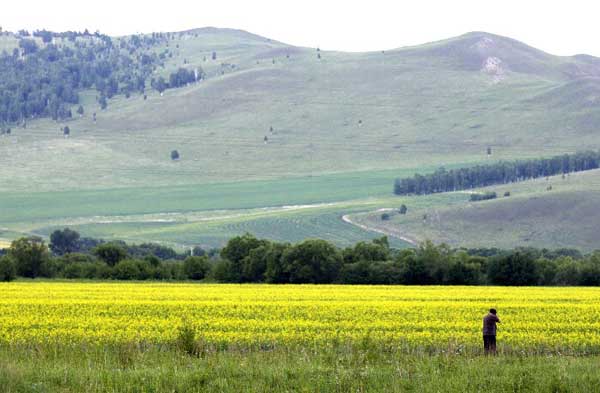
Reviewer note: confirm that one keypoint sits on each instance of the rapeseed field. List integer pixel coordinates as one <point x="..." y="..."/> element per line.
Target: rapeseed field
<point x="533" y="319"/>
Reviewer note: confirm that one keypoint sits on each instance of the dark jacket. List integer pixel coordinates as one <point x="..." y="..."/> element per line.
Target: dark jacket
<point x="489" y="324"/>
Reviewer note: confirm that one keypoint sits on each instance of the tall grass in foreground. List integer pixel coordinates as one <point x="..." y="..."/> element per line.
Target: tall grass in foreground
<point x="342" y="368"/>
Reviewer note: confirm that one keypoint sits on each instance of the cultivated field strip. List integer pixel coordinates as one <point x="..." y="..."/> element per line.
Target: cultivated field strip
<point x="533" y="319"/>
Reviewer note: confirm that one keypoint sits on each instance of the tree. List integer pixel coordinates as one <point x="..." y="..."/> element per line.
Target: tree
<point x="65" y="241"/>
<point x="29" y="254"/>
<point x="198" y="251"/>
<point x="514" y="268"/>
<point x="127" y="269"/>
<point x="160" y="85"/>
<point x="110" y="253"/>
<point x="567" y="272"/>
<point x="45" y="35"/>
<point x="254" y="265"/>
<point x="414" y="271"/>
<point x="464" y="270"/>
<point x="276" y="271"/>
<point x="313" y="261"/>
<point x="403" y="209"/>
<point x="196" y="268"/>
<point x="28" y="46"/>
<point x="181" y="78"/>
<point x="237" y="250"/>
<point x="80" y="110"/>
<point x="174" y="155"/>
<point x="377" y="250"/>
<point x="103" y="103"/>
<point x="8" y="272"/>
<point x="590" y="271"/>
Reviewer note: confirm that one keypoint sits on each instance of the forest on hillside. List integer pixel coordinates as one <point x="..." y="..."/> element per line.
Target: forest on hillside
<point x="43" y="76"/>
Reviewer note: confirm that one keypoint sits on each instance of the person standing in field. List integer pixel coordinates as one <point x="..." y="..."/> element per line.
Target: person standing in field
<point x="489" y="332"/>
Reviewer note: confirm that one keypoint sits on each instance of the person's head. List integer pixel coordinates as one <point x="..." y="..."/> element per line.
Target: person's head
<point x="493" y="311"/>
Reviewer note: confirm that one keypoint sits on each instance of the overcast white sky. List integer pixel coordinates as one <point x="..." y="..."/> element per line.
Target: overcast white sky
<point x="559" y="27"/>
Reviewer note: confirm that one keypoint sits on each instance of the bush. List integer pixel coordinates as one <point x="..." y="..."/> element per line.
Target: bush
<point x="567" y="272"/>
<point x="186" y="340"/>
<point x="222" y="271"/>
<point x="590" y="274"/>
<point x="174" y="270"/>
<point x="128" y="269"/>
<point x="8" y="271"/>
<point x="483" y="197"/>
<point x="111" y="253"/>
<point x="515" y="268"/>
<point x="464" y="270"/>
<point x="96" y="270"/>
<point x="355" y="273"/>
<point x="196" y="268"/>
<point x="73" y="270"/>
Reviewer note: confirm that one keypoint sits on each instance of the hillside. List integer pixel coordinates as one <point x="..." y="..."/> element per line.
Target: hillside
<point x="270" y="112"/>
<point x="554" y="213"/>
<point x="344" y="112"/>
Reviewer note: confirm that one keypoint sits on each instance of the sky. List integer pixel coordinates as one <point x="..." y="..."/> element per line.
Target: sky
<point x="558" y="27"/>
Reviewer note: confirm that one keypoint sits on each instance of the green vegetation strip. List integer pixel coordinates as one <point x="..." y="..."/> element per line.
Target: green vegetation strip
<point x="138" y="368"/>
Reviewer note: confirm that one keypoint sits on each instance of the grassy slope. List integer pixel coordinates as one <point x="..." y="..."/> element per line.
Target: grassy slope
<point x="367" y="117"/>
<point x="565" y="216"/>
<point x="417" y="106"/>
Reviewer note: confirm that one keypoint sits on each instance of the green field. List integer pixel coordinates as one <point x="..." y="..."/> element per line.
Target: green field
<point x="343" y="127"/>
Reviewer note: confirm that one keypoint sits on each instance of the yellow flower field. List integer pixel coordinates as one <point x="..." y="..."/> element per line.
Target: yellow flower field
<point x="561" y="319"/>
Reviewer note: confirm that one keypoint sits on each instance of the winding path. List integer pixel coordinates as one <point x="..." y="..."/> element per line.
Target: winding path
<point x="346" y="218"/>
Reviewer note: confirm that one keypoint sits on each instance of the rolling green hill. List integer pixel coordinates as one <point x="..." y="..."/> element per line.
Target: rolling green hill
<point x="354" y="121"/>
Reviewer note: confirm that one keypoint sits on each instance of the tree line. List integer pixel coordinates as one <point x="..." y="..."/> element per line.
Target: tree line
<point x="503" y="172"/>
<point x="45" y="80"/>
<point x="247" y="259"/>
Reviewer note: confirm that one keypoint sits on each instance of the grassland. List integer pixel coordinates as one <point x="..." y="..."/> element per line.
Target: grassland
<point x="533" y="215"/>
<point x="367" y="369"/>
